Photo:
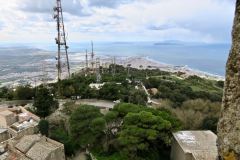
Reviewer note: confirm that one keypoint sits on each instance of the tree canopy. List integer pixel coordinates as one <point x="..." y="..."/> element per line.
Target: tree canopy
<point x="24" y="92"/>
<point x="43" y="127"/>
<point x="86" y="125"/>
<point x="44" y="102"/>
<point x="141" y="130"/>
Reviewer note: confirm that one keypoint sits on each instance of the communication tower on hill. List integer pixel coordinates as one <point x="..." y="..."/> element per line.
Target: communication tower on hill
<point x="63" y="66"/>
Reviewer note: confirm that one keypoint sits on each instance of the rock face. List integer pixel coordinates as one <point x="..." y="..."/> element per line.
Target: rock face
<point x="229" y="123"/>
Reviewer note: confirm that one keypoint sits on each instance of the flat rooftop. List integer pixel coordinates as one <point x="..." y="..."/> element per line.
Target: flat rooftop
<point x="41" y="150"/>
<point x="27" y="142"/>
<point x="195" y="141"/>
<point x="37" y="147"/>
<point x="18" y="126"/>
<point x="2" y="130"/>
<point x="6" y="113"/>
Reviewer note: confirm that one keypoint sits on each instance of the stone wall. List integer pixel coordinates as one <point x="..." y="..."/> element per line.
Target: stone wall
<point x="6" y="120"/>
<point x="4" y="136"/>
<point x="177" y="152"/>
<point x="27" y="131"/>
<point x="229" y="123"/>
<point x="58" y="153"/>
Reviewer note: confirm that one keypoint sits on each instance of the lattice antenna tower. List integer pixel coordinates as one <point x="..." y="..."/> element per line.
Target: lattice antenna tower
<point x="63" y="66"/>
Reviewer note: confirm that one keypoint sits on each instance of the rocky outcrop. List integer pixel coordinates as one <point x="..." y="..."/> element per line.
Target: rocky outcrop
<point x="229" y="123"/>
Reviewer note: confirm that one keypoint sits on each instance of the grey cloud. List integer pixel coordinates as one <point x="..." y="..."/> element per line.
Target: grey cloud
<point x="38" y="6"/>
<point x="108" y="3"/>
<point x="73" y="7"/>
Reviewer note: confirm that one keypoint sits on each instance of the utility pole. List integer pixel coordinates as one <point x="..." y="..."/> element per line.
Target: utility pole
<point x="92" y="56"/>
<point x="103" y="67"/>
<point x="98" y="74"/>
<point x="114" y="66"/>
<point x="86" y="61"/>
<point x="62" y="56"/>
<point x="35" y="87"/>
<point x="128" y="70"/>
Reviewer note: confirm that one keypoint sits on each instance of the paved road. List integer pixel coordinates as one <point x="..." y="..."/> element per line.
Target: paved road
<point x="80" y="156"/>
<point x="15" y="102"/>
<point x="104" y="104"/>
<point x="97" y="103"/>
<point x="150" y="101"/>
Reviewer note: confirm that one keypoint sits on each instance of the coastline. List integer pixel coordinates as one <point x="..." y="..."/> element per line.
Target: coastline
<point x="139" y="62"/>
<point x="148" y="63"/>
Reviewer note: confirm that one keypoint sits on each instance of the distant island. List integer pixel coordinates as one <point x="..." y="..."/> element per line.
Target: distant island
<point x="170" y="42"/>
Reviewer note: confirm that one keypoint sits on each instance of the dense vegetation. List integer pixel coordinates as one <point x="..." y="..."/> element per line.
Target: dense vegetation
<point x="43" y="127"/>
<point x="196" y="114"/>
<point x="128" y="131"/>
<point x="44" y="102"/>
<point x="122" y="87"/>
<point x="114" y="89"/>
<point x="20" y="93"/>
<point x="86" y="125"/>
<point x="180" y="90"/>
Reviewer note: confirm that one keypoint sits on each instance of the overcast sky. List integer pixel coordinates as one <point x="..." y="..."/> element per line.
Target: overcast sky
<point x="119" y="20"/>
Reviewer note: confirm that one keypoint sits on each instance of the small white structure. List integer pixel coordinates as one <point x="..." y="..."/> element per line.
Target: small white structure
<point x="194" y="145"/>
<point x="96" y="86"/>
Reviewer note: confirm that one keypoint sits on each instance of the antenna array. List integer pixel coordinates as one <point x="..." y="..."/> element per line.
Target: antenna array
<point x="62" y="56"/>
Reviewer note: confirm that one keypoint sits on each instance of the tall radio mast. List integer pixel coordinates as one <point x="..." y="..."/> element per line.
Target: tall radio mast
<point x="62" y="56"/>
<point x="92" y="56"/>
<point x="86" y="67"/>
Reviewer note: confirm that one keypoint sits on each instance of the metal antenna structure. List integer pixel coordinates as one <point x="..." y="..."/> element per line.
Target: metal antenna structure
<point x="128" y="70"/>
<point x="114" y="66"/>
<point x="98" y="74"/>
<point x="92" y="56"/>
<point x="86" y="61"/>
<point x="62" y="56"/>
